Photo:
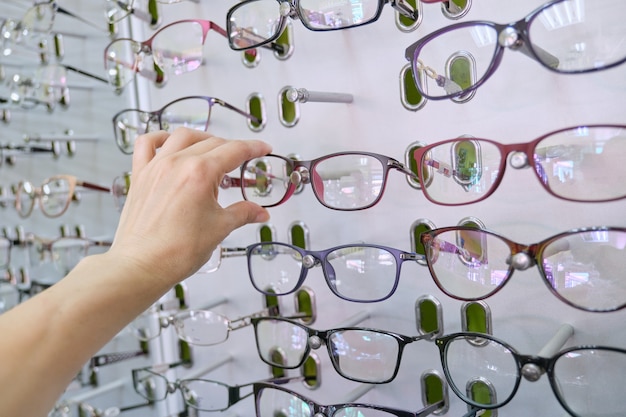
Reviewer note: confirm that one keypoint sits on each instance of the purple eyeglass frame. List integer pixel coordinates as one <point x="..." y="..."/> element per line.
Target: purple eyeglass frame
<point x="527" y="148"/>
<point x="523" y="44"/>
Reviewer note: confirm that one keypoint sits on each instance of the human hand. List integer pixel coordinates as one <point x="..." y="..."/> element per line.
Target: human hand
<point x="172" y="221"/>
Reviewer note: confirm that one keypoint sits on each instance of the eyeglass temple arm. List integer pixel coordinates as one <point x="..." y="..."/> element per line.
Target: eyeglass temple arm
<point x="394" y="163"/>
<point x="405" y="9"/>
<point x="109" y="358"/>
<point x="228" y="182"/>
<point x="235" y="109"/>
<point x="247" y="320"/>
<point x="474" y="412"/>
<point x="93" y="186"/>
<point x="430" y="408"/>
<point x="66" y="12"/>
<point x="545" y="57"/>
<point x="86" y="74"/>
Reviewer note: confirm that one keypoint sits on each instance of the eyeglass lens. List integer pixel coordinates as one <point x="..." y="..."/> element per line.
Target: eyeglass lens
<point x="340" y="181"/>
<point x="197" y="327"/>
<point x="572" y="164"/>
<point x="588" y="381"/>
<point x="579" y="267"/>
<point x="39" y="18"/>
<point x="355" y="272"/>
<point x="205" y="395"/>
<point x="568" y="37"/>
<point x="54" y="197"/>
<point x="175" y="49"/>
<point x="190" y="112"/>
<point x="65" y="252"/>
<point x="359" y="354"/>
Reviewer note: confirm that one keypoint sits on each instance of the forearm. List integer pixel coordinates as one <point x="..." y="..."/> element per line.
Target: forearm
<point x="53" y="335"/>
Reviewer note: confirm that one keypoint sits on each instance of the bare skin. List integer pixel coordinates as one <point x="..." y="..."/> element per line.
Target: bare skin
<point x="171" y="208"/>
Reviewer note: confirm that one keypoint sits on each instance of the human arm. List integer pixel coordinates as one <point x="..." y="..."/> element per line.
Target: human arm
<point x="171" y="209"/>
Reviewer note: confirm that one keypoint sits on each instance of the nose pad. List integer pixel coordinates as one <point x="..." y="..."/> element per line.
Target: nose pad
<point x="522" y="261"/>
<point x="286" y="9"/>
<point x="519" y="160"/>
<point x="315" y="342"/>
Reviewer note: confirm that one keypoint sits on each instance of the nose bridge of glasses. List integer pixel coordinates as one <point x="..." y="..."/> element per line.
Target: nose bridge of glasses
<point x="287" y="8"/>
<point x="404" y="8"/>
<point x="395" y="164"/>
<point x="520" y="154"/>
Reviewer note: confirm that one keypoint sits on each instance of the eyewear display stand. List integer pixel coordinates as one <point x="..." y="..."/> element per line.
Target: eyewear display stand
<point x="361" y="98"/>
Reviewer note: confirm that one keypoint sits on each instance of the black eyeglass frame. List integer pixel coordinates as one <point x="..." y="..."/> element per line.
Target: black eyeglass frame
<point x="295" y="12"/>
<point x="324" y="335"/>
<point x="330" y="410"/>
<point x="546" y="364"/>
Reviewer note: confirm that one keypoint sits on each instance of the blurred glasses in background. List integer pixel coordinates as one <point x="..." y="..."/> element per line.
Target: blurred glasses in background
<point x="54" y="195"/>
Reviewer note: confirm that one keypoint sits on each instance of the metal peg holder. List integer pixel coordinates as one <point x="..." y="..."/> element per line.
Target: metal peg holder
<point x="302" y="95"/>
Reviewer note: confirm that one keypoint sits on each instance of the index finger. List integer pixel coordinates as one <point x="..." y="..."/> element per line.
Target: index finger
<point x="233" y="153"/>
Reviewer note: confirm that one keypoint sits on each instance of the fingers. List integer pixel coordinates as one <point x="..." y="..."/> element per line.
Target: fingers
<point x="244" y="212"/>
<point x="230" y="154"/>
<point x="145" y="148"/>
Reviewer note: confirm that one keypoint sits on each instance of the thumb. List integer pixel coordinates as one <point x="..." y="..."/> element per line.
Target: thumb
<point x="245" y="212"/>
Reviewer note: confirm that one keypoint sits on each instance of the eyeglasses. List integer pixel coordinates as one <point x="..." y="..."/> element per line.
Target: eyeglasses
<point x="357" y="353"/>
<point x="64" y="252"/>
<point x="70" y="408"/>
<point x="6" y="245"/>
<point x="253" y="23"/>
<point x="200" y="394"/>
<point x="175" y="48"/>
<point x="54" y="195"/>
<point x="340" y="181"/>
<point x="355" y="272"/>
<point x="586" y="380"/>
<point x="564" y="36"/>
<point x="580" y="267"/>
<point x="196" y="327"/>
<point x="272" y="401"/>
<point x="579" y="163"/>
<point x="192" y="111"/>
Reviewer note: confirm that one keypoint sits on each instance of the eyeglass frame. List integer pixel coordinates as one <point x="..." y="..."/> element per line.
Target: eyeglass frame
<point x="299" y="174"/>
<point x="330" y="410"/>
<point x="521" y="43"/>
<point x="37" y="193"/>
<point x="319" y="258"/>
<point x="532" y="251"/>
<point x="322" y="339"/>
<point x="401" y="6"/>
<point x="546" y="364"/>
<point x="173" y="319"/>
<point x="526" y="148"/>
<point x="234" y="391"/>
<point x="158" y="114"/>
<point x="145" y="47"/>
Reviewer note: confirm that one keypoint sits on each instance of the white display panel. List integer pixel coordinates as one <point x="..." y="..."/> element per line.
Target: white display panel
<point x="520" y="102"/>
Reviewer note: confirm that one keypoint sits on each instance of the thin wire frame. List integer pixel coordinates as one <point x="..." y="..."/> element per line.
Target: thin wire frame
<point x="521" y="42"/>
<point x="424" y="172"/>
<point x="321" y="258"/>
<point x="325" y="336"/>
<point x="535" y="252"/>
<point x="545" y="364"/>
<point x="296" y="166"/>
<point x="126" y="145"/>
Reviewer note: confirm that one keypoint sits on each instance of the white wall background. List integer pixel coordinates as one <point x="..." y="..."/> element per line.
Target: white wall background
<point x="520" y="102"/>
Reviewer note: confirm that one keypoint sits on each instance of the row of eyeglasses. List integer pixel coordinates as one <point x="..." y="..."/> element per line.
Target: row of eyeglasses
<point x="564" y="36"/>
<point x="482" y="370"/>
